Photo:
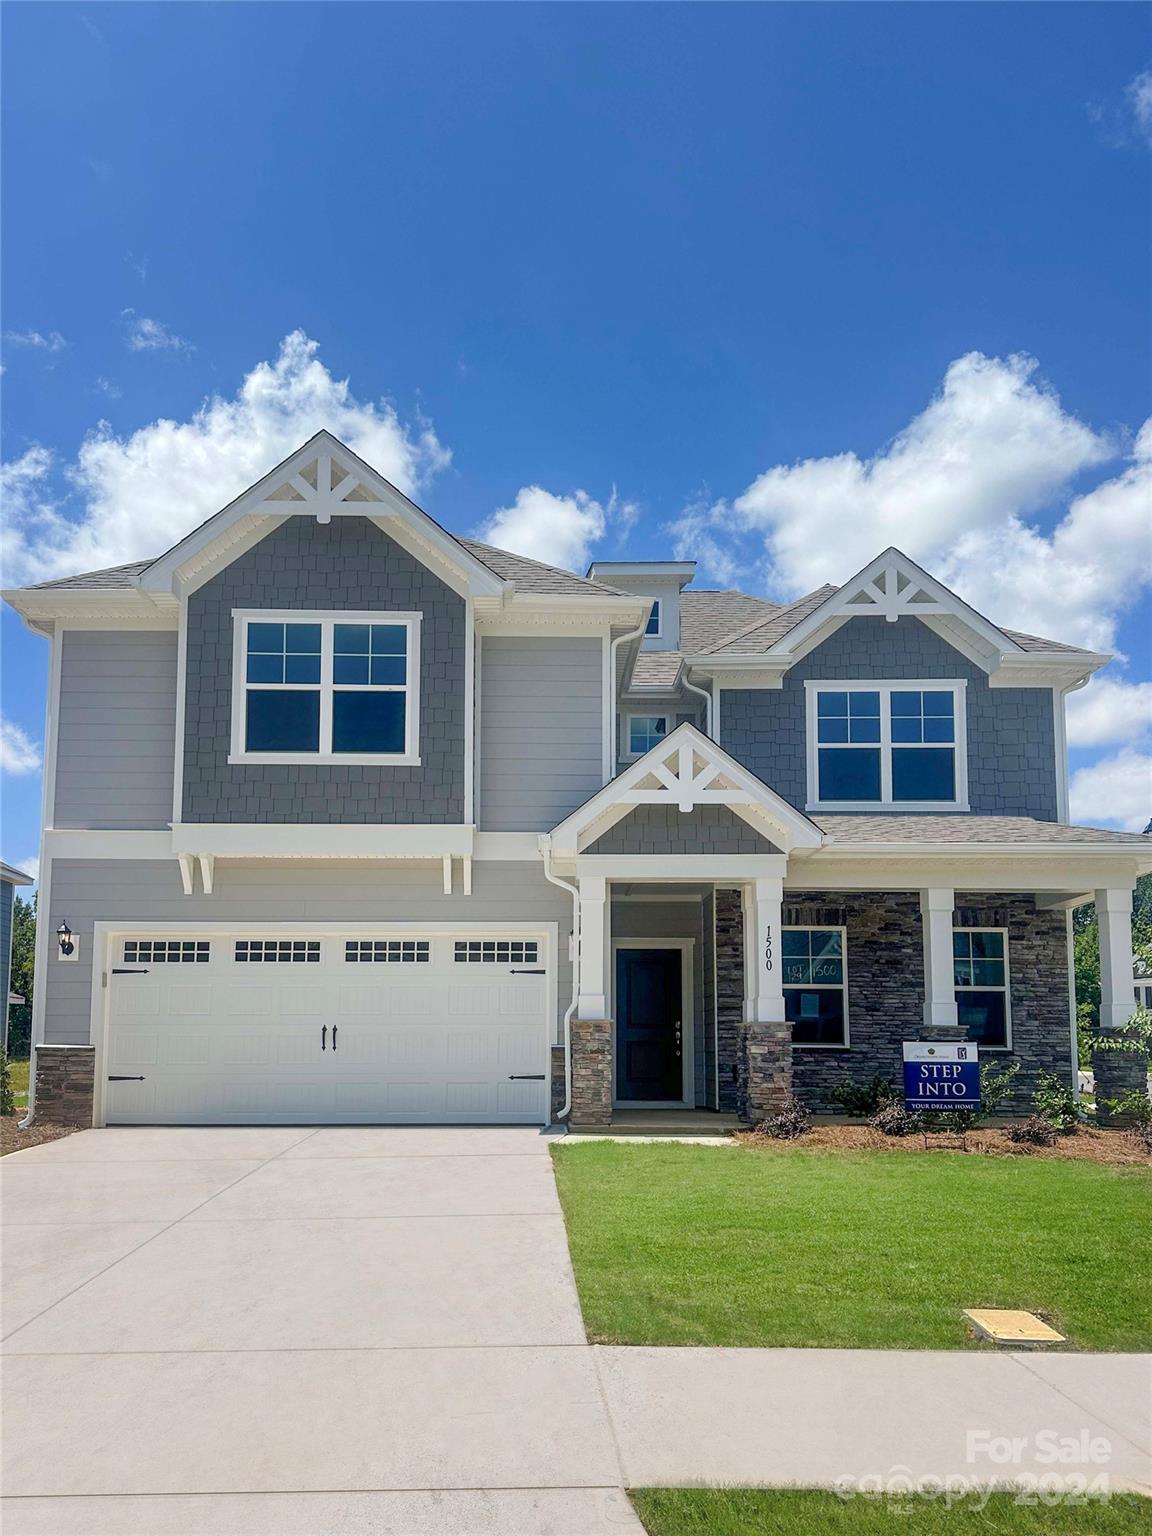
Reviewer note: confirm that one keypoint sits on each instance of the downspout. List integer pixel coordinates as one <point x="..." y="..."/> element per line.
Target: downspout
<point x="632" y="634"/>
<point x="546" y="854"/>
<point x="707" y="697"/>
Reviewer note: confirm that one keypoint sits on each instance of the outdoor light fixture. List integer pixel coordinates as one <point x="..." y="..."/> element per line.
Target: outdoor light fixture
<point x="64" y="937"/>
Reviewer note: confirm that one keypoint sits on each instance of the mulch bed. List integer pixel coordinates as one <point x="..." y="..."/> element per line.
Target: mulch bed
<point x="13" y="1139"/>
<point x="1087" y="1145"/>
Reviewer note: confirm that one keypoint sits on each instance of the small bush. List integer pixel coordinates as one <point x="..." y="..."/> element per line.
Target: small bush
<point x="1055" y="1102"/>
<point x="1143" y="1134"/>
<point x="1035" y="1131"/>
<point x="863" y="1100"/>
<point x="895" y="1120"/>
<point x="791" y="1122"/>
<point x="1134" y="1109"/>
<point x="7" y="1096"/>
<point x="995" y="1085"/>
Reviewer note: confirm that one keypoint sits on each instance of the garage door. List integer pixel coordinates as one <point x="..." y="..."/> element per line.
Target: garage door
<point x="273" y="1028"/>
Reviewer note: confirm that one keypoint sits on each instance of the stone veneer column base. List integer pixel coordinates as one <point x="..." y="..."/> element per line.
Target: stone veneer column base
<point x="1118" y="1073"/>
<point x="591" y="1072"/>
<point x="764" y="1084"/>
<point x="65" y="1076"/>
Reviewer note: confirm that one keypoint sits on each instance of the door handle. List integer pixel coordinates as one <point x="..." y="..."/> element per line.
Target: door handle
<point x="334" y="1037"/>
<point x="525" y="1077"/>
<point x="116" y="1078"/>
<point x="324" y="1038"/>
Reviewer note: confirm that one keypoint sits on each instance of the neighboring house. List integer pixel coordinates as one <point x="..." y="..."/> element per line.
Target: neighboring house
<point x="1142" y="977"/>
<point x="352" y="820"/>
<point x="9" y="879"/>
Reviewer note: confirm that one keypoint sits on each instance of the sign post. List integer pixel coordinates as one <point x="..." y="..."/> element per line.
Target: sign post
<point x="940" y="1076"/>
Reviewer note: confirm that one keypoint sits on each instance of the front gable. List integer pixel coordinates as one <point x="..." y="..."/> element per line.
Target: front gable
<point x="665" y="829"/>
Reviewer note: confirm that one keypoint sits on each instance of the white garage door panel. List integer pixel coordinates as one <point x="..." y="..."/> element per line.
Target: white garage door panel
<point x="328" y="1041"/>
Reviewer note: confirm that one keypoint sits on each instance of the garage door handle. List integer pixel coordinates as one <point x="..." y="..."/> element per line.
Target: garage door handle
<point x="126" y="1079"/>
<point x="335" y="1027"/>
<point x="120" y="971"/>
<point x="540" y="972"/>
<point x="324" y="1038"/>
<point x="525" y="1077"/>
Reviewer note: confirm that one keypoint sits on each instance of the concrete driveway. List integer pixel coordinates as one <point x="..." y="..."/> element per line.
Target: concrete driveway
<point x="293" y="1331"/>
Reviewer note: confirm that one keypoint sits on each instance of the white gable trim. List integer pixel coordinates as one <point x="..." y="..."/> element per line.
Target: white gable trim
<point x="686" y="769"/>
<point x="322" y="479"/>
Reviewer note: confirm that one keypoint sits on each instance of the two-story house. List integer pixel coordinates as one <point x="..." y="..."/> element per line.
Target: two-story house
<point x="347" y="819"/>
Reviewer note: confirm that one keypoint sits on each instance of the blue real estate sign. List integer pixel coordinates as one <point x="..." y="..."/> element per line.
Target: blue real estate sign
<point x="941" y="1076"/>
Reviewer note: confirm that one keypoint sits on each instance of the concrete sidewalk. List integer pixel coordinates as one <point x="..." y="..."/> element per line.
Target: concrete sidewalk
<point x="816" y="1416"/>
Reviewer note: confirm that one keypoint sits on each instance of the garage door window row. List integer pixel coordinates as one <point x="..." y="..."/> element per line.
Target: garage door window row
<point x="497" y="952"/>
<point x="389" y="951"/>
<point x="298" y="951"/>
<point x="166" y="951"/>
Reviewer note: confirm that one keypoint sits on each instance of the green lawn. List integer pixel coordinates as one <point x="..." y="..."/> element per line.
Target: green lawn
<point x="19" y="1074"/>
<point x="675" y="1244"/>
<point x="791" y="1512"/>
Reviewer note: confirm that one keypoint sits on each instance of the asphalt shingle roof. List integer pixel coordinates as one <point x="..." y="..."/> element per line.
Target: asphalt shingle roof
<point x="534" y="575"/>
<point x="114" y="578"/>
<point x="707" y="617"/>
<point x="758" y="637"/>
<point x="967" y="829"/>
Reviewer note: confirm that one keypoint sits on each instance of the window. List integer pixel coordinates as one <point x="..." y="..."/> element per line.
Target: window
<point x="1144" y="996"/>
<point x="980" y="963"/>
<point x="170" y="951"/>
<point x="653" y="625"/>
<point x="396" y="951"/>
<point x="897" y="745"/>
<point x="271" y="951"/>
<point x="325" y="687"/>
<point x="815" y="985"/>
<point x="497" y="952"/>
<point x="645" y="732"/>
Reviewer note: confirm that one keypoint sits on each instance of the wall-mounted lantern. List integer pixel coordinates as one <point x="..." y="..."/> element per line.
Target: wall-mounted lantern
<point x="67" y="941"/>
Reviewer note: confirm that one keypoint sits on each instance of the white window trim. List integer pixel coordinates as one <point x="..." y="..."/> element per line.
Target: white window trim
<point x="327" y="618"/>
<point x="786" y="986"/>
<point x="658" y="632"/>
<point x="1006" y="988"/>
<point x="885" y="687"/>
<point x="630" y="756"/>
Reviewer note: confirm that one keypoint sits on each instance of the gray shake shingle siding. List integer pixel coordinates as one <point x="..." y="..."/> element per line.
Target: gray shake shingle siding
<point x="659" y="829"/>
<point x="1011" y="731"/>
<point x="348" y="563"/>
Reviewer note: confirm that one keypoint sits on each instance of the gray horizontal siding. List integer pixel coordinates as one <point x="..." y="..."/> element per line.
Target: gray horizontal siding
<point x="541" y="730"/>
<point x="116" y="741"/>
<point x="111" y="890"/>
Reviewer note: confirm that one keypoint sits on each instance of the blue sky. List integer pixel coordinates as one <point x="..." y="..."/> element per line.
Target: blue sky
<point x="773" y="286"/>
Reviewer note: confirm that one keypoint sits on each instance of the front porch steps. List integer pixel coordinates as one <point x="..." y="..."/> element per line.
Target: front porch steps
<point x="662" y="1122"/>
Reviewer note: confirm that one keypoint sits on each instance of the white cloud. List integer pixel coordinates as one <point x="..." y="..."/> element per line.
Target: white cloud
<point x="1116" y="790"/>
<point x="1109" y="711"/>
<point x="559" y="530"/>
<point x="146" y="335"/>
<point x="137" y="495"/>
<point x="1139" y="95"/>
<point x="53" y="342"/>
<point x="19" y="754"/>
<point x="957" y="489"/>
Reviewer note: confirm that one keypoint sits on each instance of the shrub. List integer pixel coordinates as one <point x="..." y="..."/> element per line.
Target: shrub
<point x="7" y="1096"/>
<point x="1056" y="1103"/>
<point x="863" y="1099"/>
<point x="788" y="1124"/>
<point x="1134" y="1109"/>
<point x="895" y="1120"/>
<point x="1035" y="1131"/>
<point x="995" y="1085"/>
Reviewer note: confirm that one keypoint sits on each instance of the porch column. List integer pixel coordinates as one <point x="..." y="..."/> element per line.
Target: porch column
<point x="595" y="947"/>
<point x="763" y="988"/>
<point x="1117" y="996"/>
<point x="936" y="908"/>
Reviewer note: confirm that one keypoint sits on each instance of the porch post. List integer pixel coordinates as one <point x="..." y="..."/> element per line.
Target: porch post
<point x="595" y="915"/>
<point x="763" y="989"/>
<point x="1114" y="917"/>
<point x="936" y="909"/>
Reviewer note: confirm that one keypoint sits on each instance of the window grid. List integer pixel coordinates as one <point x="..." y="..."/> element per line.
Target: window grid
<point x="646" y="732"/>
<point x="170" y="951"/>
<point x="980" y="965"/>
<point x="328" y="658"/>
<point x="496" y="951"/>
<point x="298" y="951"/>
<point x="391" y="951"/>
<point x="817" y="960"/>
<point x="834" y="713"/>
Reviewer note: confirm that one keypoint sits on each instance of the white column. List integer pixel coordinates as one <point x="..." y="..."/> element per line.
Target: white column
<point x="595" y="948"/>
<point x="1114" y="916"/>
<point x="763" y="989"/>
<point x="936" y="908"/>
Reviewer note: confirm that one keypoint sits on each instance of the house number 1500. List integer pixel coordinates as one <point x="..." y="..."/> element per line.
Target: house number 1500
<point x="768" y="949"/>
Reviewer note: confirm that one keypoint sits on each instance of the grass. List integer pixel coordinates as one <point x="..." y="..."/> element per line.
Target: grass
<point x="18" y="1070"/>
<point x="674" y="1244"/>
<point x="799" y="1512"/>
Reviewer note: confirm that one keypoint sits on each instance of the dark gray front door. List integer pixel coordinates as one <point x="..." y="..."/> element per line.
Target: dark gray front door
<point x="649" y="1024"/>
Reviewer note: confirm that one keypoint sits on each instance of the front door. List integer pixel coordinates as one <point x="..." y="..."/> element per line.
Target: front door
<point x="649" y="1025"/>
